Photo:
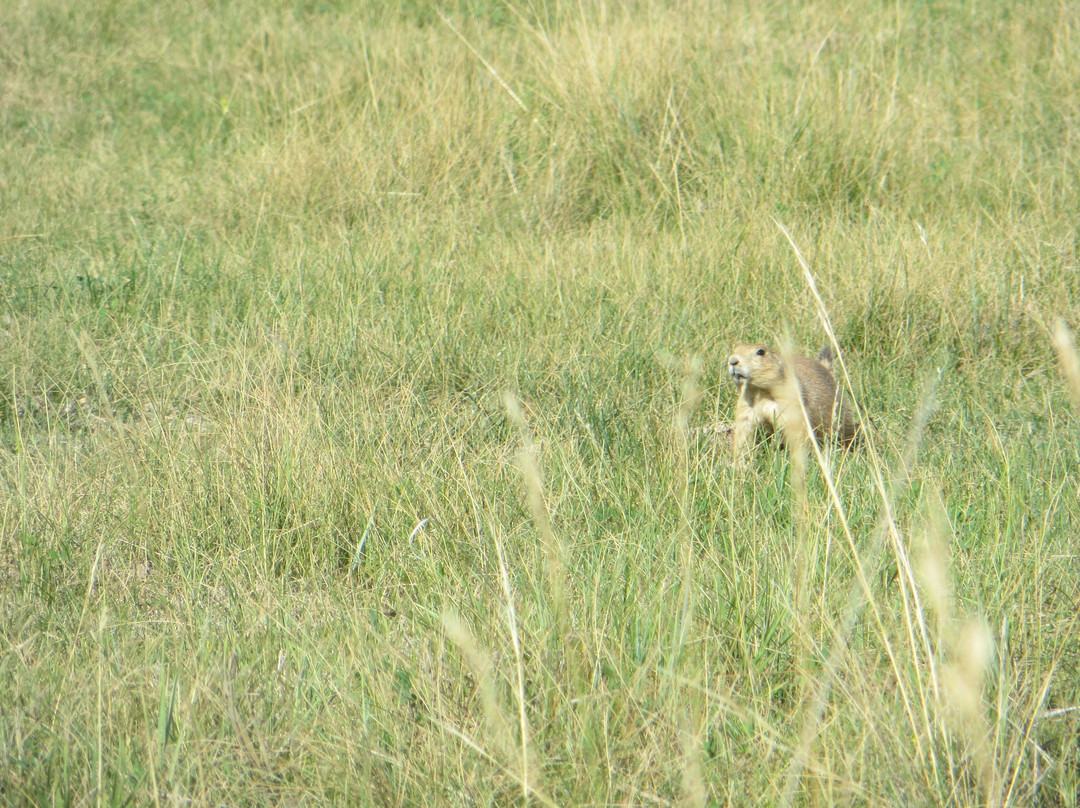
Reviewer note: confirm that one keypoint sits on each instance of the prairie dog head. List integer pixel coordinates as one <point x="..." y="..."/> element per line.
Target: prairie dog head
<point x="756" y="365"/>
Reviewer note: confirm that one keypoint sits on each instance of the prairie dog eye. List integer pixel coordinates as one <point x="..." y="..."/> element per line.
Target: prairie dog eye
<point x="760" y="352"/>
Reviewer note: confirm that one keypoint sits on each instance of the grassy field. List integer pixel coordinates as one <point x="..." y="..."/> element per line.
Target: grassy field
<point x="355" y="364"/>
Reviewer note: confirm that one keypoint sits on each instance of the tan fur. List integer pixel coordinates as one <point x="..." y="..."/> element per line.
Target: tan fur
<point x="769" y="397"/>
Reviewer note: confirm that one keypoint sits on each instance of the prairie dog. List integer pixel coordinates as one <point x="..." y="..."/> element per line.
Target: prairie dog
<point x="768" y="396"/>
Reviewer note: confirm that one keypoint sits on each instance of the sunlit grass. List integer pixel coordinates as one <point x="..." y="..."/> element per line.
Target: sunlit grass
<point x="353" y="361"/>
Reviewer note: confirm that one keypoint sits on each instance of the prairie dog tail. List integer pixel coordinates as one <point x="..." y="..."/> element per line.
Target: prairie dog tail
<point x="825" y="356"/>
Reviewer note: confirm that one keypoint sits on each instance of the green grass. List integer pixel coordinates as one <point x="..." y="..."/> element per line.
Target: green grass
<point x="268" y="272"/>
